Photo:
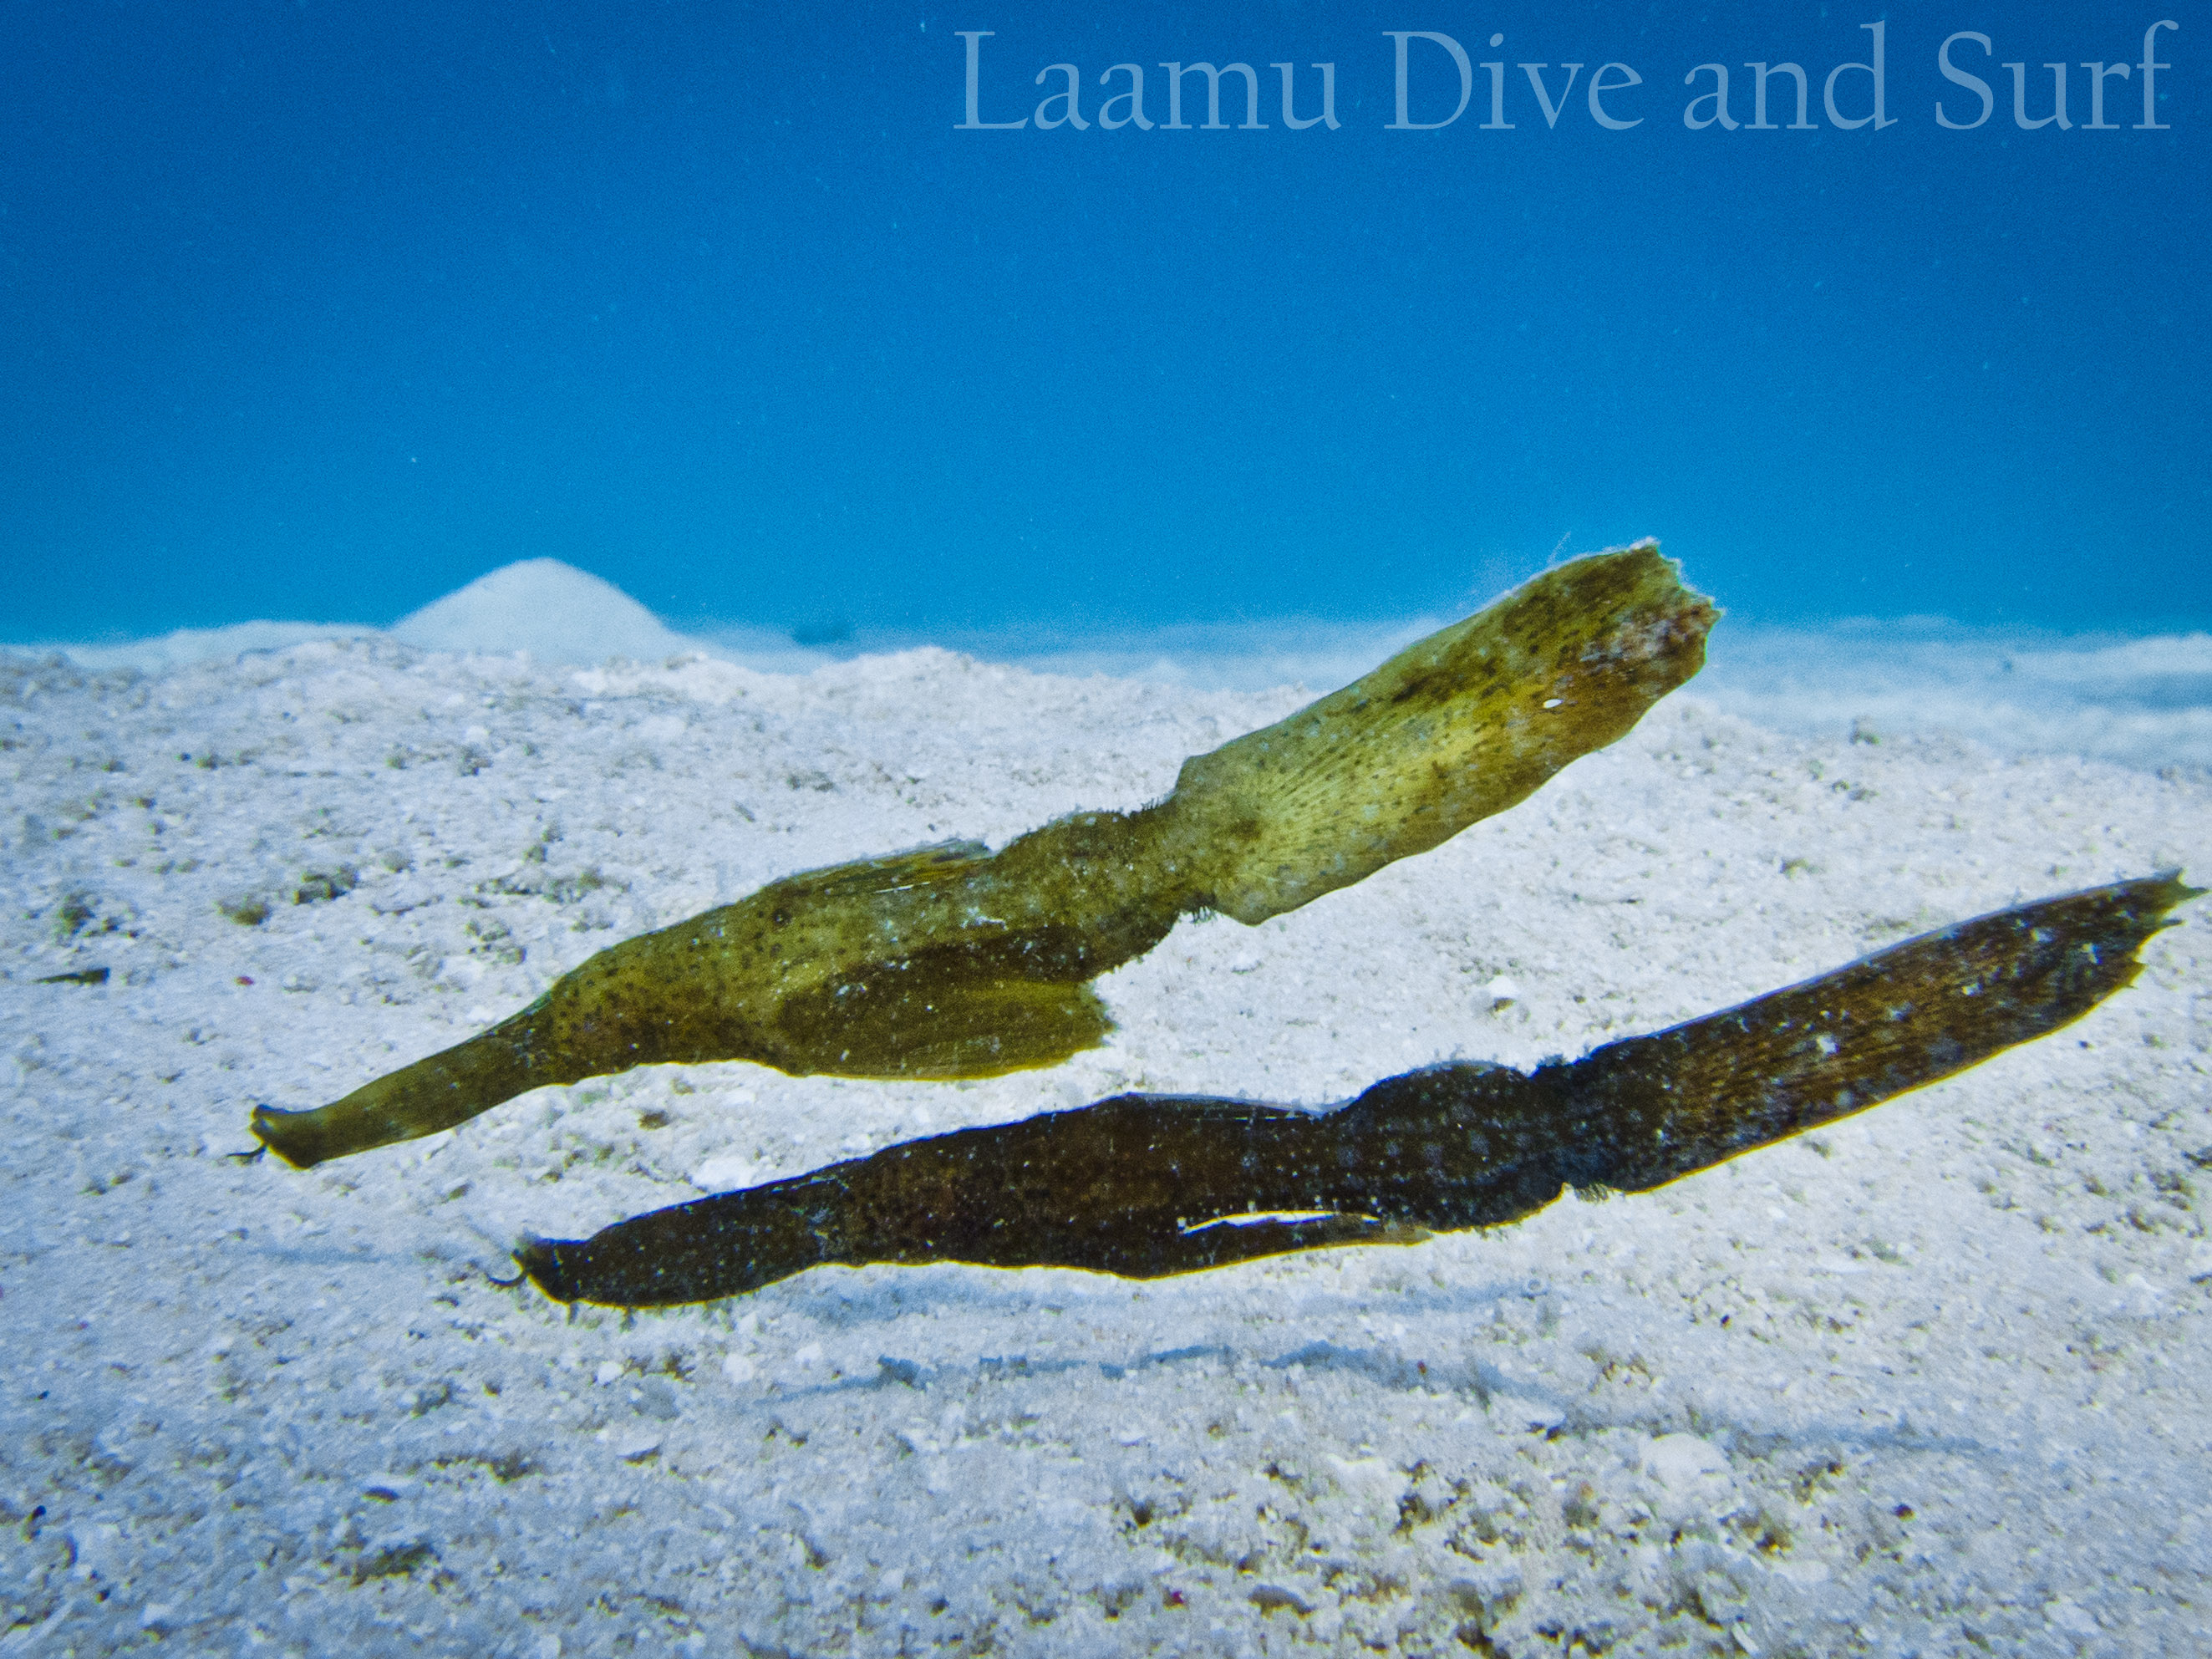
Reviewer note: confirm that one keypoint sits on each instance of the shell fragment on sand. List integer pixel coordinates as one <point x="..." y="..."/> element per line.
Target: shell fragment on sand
<point x="1146" y="1185"/>
<point x="955" y="961"/>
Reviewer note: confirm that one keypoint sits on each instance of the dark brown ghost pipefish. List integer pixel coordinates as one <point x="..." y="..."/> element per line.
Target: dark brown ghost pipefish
<point x="955" y="961"/>
<point x="1149" y="1185"/>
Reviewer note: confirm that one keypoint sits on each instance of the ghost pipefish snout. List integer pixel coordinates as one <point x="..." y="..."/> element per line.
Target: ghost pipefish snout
<point x="1149" y="1185"/>
<point x="953" y="962"/>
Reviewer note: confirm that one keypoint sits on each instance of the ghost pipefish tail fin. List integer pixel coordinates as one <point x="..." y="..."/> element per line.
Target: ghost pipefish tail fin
<point x="438" y="1092"/>
<point x="712" y="1247"/>
<point x="953" y="962"/>
<point x="1145" y="1186"/>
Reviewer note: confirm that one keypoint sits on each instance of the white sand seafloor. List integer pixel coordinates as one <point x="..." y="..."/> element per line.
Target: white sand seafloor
<point x="1932" y="1381"/>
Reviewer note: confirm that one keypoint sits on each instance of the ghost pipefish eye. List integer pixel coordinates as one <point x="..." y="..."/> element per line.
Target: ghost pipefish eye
<point x="954" y="961"/>
<point x="1149" y="1185"/>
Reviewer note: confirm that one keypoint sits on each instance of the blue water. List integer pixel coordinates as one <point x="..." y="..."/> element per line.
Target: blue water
<point x="320" y="311"/>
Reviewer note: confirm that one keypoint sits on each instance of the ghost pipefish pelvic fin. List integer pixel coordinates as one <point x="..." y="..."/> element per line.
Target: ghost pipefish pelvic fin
<point x="954" y="961"/>
<point x="1149" y="1185"/>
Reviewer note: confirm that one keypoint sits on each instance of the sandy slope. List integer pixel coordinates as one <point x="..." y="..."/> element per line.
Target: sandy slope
<point x="1935" y="1380"/>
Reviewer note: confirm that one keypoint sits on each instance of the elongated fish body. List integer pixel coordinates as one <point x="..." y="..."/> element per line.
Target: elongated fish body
<point x="943" y="963"/>
<point x="1149" y="1185"/>
<point x="954" y="961"/>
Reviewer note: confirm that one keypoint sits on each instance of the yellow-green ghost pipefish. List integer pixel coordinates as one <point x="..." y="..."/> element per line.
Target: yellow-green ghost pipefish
<point x="955" y="961"/>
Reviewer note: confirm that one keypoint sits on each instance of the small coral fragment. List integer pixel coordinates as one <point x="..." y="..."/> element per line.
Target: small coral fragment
<point x="1149" y="1185"/>
<point x="954" y="961"/>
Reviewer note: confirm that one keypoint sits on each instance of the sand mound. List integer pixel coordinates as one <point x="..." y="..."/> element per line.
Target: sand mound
<point x="552" y="609"/>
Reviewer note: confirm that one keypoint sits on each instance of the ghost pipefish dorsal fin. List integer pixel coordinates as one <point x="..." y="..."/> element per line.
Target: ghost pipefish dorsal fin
<point x="892" y="873"/>
<point x="947" y="962"/>
<point x="1145" y="1186"/>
